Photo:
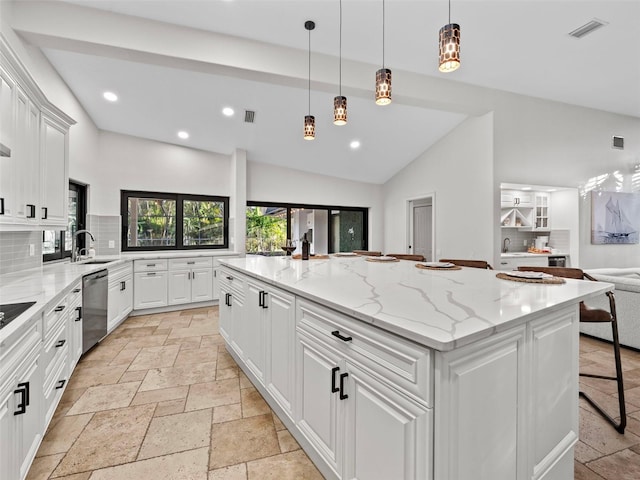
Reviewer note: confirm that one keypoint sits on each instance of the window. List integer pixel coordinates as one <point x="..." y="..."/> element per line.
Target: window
<point x="56" y="244"/>
<point x="170" y="221"/>
<point x="329" y="229"/>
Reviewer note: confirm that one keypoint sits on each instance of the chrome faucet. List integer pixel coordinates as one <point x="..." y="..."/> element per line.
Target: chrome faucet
<point x="75" y="252"/>
<point x="505" y="245"/>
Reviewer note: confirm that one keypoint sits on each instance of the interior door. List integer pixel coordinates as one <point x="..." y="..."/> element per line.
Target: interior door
<point x="422" y="228"/>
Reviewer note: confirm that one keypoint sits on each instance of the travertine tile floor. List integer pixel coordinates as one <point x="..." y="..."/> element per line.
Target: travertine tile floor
<point x="161" y="399"/>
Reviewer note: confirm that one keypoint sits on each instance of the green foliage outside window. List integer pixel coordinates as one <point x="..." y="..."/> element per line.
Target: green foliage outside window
<point x="266" y="233"/>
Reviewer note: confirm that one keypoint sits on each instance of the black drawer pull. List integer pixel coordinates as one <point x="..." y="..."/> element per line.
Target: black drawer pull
<point x="229" y="278"/>
<point x="151" y="274"/>
<point x="191" y="263"/>
<point x="1" y="206"/>
<point x="264" y="299"/>
<point x="227" y="299"/>
<point x="334" y="389"/>
<point x="60" y="343"/>
<point x="336" y="333"/>
<point x="76" y="290"/>
<point x="79" y="317"/>
<point x="45" y="213"/>
<point x="123" y="285"/>
<point x="343" y="396"/>
<point x="32" y="211"/>
<point x="60" y="384"/>
<point x="151" y="264"/>
<point x="59" y="308"/>
<point x="23" y="390"/>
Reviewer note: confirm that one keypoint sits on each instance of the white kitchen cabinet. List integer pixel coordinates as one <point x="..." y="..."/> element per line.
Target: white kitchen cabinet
<point x="190" y="280"/>
<point x="232" y="311"/>
<point x="74" y="320"/>
<point x="516" y="198"/>
<point x="533" y="260"/>
<point x="150" y="290"/>
<point x="255" y="319"/>
<point x="119" y="294"/>
<point x="8" y="166"/>
<point x="54" y="171"/>
<point x="27" y="175"/>
<point x="541" y="219"/>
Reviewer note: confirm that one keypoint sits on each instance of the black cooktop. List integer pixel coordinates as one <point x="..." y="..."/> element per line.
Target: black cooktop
<point x="11" y="311"/>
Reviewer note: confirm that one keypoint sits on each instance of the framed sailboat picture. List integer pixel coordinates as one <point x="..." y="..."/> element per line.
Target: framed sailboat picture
<point x="615" y="218"/>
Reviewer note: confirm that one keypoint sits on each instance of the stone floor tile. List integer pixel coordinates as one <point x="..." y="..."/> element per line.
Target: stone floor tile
<point x="76" y="476"/>
<point x="624" y="465"/>
<point x="153" y="321"/>
<point x="148" y="341"/>
<point x="161" y="395"/>
<point x="196" y="331"/>
<point x="154" y="357"/>
<point x="199" y="355"/>
<point x="211" y="341"/>
<point x="244" y="380"/>
<point x="133" y="376"/>
<point x="196" y="311"/>
<point x="177" y="433"/>
<point x="189" y="465"/>
<point x="105" y="354"/>
<point x="277" y="422"/>
<point x="632" y="396"/>
<point x="225" y="360"/>
<point x="253" y="403"/>
<point x="105" y="397"/>
<point x="60" y="439"/>
<point x="180" y="375"/>
<point x="242" y="440"/>
<point x="582" y="472"/>
<point x="596" y="432"/>
<point x="174" y="322"/>
<point x="125" y="357"/>
<point x="112" y="437"/>
<point x="212" y="394"/>
<point x="583" y="453"/>
<point x="186" y="343"/>
<point x="42" y="466"/>
<point x="134" y="332"/>
<point x="162" y="331"/>
<point x="227" y="373"/>
<point x="170" y="407"/>
<point x="286" y="441"/>
<point x="233" y="472"/>
<point x="287" y="466"/>
<point x="226" y="413"/>
<point x="83" y="377"/>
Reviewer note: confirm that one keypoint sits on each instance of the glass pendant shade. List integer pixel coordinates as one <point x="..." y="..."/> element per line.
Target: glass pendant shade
<point x="449" y="48"/>
<point x="340" y="110"/>
<point x="383" y="86"/>
<point x="309" y="127"/>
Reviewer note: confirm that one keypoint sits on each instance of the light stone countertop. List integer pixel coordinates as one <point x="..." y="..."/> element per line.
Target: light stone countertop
<point x="54" y="280"/>
<point x="439" y="309"/>
<point x="529" y="254"/>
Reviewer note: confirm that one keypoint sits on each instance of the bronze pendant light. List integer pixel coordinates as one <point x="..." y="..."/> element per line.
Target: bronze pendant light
<point x="449" y="59"/>
<point x="383" y="76"/>
<point x="309" y="120"/>
<point x="340" y="102"/>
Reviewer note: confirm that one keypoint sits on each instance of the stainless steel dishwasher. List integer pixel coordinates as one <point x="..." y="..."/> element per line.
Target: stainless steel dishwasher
<point x="94" y="308"/>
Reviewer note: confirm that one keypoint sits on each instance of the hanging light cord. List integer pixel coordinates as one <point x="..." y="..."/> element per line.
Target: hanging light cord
<point x="340" y="68"/>
<point x="449" y="11"/>
<point x="382" y="33"/>
<point x="309" y="77"/>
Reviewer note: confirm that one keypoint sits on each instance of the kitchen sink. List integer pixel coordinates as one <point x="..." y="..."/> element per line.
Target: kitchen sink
<point x="11" y="311"/>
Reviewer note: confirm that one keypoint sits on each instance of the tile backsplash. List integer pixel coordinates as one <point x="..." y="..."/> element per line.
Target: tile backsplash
<point x="105" y="229"/>
<point x="558" y="239"/>
<point x="15" y="254"/>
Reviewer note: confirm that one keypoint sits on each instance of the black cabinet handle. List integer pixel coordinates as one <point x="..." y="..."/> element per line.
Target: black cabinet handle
<point x="59" y="308"/>
<point x="151" y="274"/>
<point x="260" y="298"/>
<point x="334" y="389"/>
<point x="76" y="290"/>
<point x="264" y="299"/>
<point x="343" y="396"/>
<point x="45" y="213"/>
<point x="79" y="317"/>
<point x="227" y="299"/>
<point x="191" y="263"/>
<point x="336" y="333"/>
<point x="215" y="273"/>
<point x="151" y="264"/>
<point x="229" y="278"/>
<point x="1" y="206"/>
<point x="60" y="343"/>
<point x="60" y="384"/>
<point x="123" y="285"/>
<point x="23" y="390"/>
<point x="32" y="211"/>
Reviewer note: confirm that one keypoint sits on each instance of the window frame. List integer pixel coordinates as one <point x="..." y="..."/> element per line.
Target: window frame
<point x="81" y="191"/>
<point x="179" y="198"/>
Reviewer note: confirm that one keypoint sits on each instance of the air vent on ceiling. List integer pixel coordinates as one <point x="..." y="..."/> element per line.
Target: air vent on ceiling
<point x="618" y="142"/>
<point x="588" y="27"/>
<point x="249" y="116"/>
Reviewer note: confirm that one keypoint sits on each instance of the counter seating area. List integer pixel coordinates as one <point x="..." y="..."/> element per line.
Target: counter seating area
<point x="468" y="263"/>
<point x="407" y="256"/>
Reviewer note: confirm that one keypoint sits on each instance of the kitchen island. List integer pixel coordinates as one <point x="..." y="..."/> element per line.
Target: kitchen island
<point x="387" y="371"/>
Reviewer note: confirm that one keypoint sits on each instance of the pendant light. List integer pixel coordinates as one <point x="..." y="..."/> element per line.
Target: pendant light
<point x="383" y="76"/>
<point x="309" y="120"/>
<point x="449" y="46"/>
<point x="340" y="102"/>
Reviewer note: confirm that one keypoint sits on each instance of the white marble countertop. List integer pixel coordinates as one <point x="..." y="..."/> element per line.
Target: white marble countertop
<point x="54" y="280"/>
<point x="439" y="309"/>
<point x="530" y="254"/>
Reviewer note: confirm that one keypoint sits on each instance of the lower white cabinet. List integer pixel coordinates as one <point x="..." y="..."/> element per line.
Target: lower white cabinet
<point x="190" y="280"/>
<point x="120" y="294"/>
<point x="150" y="290"/>
<point x="74" y="321"/>
<point x="512" y="263"/>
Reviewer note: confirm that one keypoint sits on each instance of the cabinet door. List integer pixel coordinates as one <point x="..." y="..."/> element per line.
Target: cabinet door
<point x="179" y="287"/>
<point x="126" y="296"/>
<point x="239" y="327"/>
<point x="226" y="325"/>
<point x="255" y="328"/>
<point x="113" y="305"/>
<point x="280" y="340"/>
<point x="201" y="285"/>
<point x="150" y="290"/>
<point x="54" y="172"/>
<point x="386" y="432"/>
<point x="215" y="284"/>
<point x="318" y="407"/>
<point x="7" y="431"/>
<point x="7" y="165"/>
<point x="29" y="424"/>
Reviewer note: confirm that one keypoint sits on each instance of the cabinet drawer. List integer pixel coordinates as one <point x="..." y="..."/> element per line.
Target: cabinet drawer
<point x="119" y="271"/>
<point x="400" y="363"/>
<point x="74" y="297"/>
<point x="17" y="347"/>
<point x="55" y="345"/>
<point x="150" y="265"/>
<point x="231" y="281"/>
<point x="55" y="314"/>
<point x="189" y="263"/>
<point x="54" y="384"/>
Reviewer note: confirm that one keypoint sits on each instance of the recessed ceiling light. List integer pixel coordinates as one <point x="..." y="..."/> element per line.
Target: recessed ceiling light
<point x="355" y="144"/>
<point x="526" y="188"/>
<point x="110" y="96"/>
<point x="228" y="111"/>
<point x="183" y="135"/>
<point x="551" y="190"/>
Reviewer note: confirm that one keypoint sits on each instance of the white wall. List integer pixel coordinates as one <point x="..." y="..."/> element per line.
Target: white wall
<point x="564" y="214"/>
<point x="268" y="183"/>
<point x="458" y="170"/>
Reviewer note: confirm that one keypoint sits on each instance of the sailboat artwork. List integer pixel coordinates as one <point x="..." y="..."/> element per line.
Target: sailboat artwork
<point x="616" y="218"/>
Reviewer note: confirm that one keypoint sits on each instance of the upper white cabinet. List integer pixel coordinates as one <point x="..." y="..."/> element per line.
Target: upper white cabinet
<point x="516" y="198"/>
<point x="34" y="178"/>
<point x="541" y="213"/>
<point x="524" y="209"/>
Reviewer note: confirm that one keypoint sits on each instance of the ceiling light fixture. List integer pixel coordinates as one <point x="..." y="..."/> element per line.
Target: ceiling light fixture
<point x="383" y="76"/>
<point x="228" y="112"/>
<point x="110" y="96"/>
<point x="449" y="46"/>
<point x="340" y="102"/>
<point x="309" y="120"/>
<point x="183" y="135"/>
<point x="355" y="144"/>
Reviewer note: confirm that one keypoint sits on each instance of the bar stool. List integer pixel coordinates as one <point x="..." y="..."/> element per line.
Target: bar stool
<point x="596" y="315"/>
<point x="469" y="263"/>
<point x="368" y="253"/>
<point x="407" y="256"/>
